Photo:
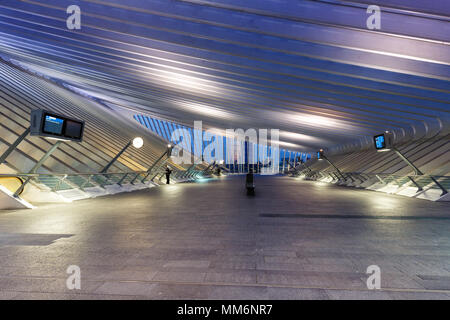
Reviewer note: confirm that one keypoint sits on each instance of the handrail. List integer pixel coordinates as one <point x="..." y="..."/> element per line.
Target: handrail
<point x="62" y="181"/>
<point x="9" y="175"/>
<point x="419" y="181"/>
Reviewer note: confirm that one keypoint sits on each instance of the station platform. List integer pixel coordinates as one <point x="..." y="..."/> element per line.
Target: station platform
<point x="208" y="240"/>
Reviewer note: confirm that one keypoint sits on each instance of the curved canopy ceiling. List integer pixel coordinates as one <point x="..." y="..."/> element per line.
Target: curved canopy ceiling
<point x="309" y="68"/>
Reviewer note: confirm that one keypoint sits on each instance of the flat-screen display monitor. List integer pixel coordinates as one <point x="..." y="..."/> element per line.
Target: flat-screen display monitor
<point x="50" y="125"/>
<point x="73" y="129"/>
<point x="380" y="142"/>
<point x="53" y="125"/>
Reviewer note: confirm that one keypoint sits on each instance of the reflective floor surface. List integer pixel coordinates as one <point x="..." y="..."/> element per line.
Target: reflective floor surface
<point x="293" y="240"/>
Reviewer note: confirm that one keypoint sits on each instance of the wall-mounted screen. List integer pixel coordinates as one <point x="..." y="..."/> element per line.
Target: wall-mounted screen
<point x="53" y="125"/>
<point x="320" y="155"/>
<point x="73" y="129"/>
<point x="50" y="125"/>
<point x="380" y="142"/>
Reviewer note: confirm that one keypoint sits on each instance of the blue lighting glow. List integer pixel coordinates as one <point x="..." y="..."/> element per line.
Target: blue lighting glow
<point x="165" y="129"/>
<point x="380" y="142"/>
<point x="53" y="125"/>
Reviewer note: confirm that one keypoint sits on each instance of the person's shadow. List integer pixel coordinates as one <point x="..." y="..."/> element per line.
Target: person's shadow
<point x="250" y="183"/>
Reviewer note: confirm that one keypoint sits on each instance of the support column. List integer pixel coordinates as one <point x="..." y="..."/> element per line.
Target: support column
<point x="37" y="166"/>
<point x="105" y="169"/>
<point x="418" y="172"/>
<point x="150" y="169"/>
<point x="14" y="145"/>
<point x="337" y="169"/>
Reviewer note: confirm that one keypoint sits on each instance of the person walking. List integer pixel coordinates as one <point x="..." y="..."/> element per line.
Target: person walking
<point x="168" y="172"/>
<point x="249" y="183"/>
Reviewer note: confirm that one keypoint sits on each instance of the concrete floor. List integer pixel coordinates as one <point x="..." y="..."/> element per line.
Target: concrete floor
<point x="294" y="240"/>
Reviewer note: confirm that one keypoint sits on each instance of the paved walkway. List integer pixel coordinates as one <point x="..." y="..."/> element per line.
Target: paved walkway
<point x="294" y="240"/>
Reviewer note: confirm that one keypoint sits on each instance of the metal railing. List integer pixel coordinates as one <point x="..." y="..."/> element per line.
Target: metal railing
<point x="357" y="179"/>
<point x="60" y="182"/>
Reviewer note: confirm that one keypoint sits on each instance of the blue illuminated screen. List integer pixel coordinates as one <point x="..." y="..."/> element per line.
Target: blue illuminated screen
<point x="53" y="125"/>
<point x="380" y="142"/>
